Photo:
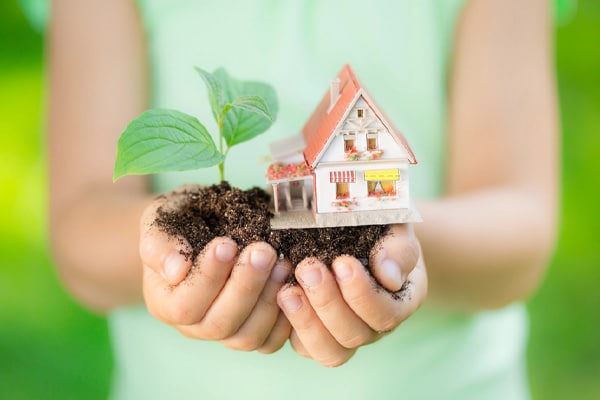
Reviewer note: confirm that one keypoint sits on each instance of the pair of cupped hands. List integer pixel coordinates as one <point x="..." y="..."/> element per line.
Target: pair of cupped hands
<point x="240" y="298"/>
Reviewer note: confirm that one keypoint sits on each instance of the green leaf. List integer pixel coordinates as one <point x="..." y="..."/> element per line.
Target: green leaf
<point x="215" y="92"/>
<point x="240" y="123"/>
<point x="162" y="140"/>
<point x="253" y="104"/>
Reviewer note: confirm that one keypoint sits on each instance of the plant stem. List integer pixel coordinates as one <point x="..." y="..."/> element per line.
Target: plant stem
<point x="222" y="163"/>
<point x="222" y="171"/>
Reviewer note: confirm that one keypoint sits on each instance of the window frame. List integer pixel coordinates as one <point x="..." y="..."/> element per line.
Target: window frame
<point x="372" y="134"/>
<point x="349" y="136"/>
<point x="339" y="195"/>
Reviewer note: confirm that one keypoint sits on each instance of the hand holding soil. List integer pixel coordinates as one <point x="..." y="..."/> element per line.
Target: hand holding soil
<point x="211" y="269"/>
<point x="336" y="310"/>
<point x="214" y="268"/>
<point x="219" y="294"/>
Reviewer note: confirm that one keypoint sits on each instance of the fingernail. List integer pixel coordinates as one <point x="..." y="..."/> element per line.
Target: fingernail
<point x="225" y="252"/>
<point x="343" y="272"/>
<point x="280" y="272"/>
<point x="175" y="268"/>
<point x="260" y="259"/>
<point x="391" y="270"/>
<point x="311" y="277"/>
<point x="292" y="302"/>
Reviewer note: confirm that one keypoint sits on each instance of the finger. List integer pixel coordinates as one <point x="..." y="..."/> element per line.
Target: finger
<point x="321" y="290"/>
<point x="395" y="256"/>
<point x="166" y="255"/>
<point x="259" y="324"/>
<point x="297" y="345"/>
<point x="279" y="334"/>
<point x="187" y="303"/>
<point x="163" y="253"/>
<point x="240" y="294"/>
<point x="380" y="309"/>
<point x="316" y="339"/>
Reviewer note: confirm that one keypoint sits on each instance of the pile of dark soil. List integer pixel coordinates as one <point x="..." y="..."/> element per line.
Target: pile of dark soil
<point x="244" y="216"/>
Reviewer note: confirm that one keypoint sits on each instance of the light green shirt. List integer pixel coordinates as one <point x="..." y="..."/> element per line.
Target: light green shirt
<point x="399" y="49"/>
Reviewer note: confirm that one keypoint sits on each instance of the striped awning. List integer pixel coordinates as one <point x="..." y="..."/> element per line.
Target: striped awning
<point x="342" y="177"/>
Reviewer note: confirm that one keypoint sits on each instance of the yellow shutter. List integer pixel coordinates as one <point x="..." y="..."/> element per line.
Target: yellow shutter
<point x="382" y="175"/>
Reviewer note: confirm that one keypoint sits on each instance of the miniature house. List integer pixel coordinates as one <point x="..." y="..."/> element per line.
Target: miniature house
<point x="348" y="166"/>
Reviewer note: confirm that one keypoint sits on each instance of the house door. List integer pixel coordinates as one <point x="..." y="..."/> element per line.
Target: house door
<point x="297" y="195"/>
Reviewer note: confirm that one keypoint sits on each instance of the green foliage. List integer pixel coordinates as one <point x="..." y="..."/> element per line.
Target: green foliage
<point x="254" y="107"/>
<point x="162" y="140"/>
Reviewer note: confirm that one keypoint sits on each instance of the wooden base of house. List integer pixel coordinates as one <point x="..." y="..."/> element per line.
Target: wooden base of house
<point x="307" y="219"/>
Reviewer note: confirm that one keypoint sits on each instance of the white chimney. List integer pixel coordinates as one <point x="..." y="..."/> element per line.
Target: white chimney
<point x="334" y="93"/>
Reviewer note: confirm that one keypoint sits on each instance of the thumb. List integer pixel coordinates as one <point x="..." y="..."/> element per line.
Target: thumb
<point x="164" y="254"/>
<point x="395" y="256"/>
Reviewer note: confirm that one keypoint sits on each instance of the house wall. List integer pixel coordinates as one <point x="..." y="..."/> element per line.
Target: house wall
<point x="359" y="199"/>
<point x="391" y="156"/>
<point x="359" y="127"/>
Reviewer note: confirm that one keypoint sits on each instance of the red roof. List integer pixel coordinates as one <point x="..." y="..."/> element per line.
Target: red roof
<point x="321" y="125"/>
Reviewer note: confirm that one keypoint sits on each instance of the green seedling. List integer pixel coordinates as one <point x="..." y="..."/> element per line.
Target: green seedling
<point x="163" y="140"/>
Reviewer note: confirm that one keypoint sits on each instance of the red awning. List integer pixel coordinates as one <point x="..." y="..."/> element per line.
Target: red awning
<point x="341" y="176"/>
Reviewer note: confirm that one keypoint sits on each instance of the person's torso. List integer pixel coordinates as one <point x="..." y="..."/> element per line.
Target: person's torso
<point x="399" y="50"/>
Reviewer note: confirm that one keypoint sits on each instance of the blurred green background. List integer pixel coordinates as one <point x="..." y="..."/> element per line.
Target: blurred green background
<point x="51" y="348"/>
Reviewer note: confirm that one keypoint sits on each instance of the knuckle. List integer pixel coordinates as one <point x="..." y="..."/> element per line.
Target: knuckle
<point x="206" y="277"/>
<point x="181" y="315"/>
<point x="269" y="303"/>
<point x="245" y="287"/>
<point x="217" y="329"/>
<point x="357" y="299"/>
<point x="323" y="302"/>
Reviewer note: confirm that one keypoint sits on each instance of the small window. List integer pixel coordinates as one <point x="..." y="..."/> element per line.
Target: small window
<point x="349" y="143"/>
<point x="341" y="190"/>
<point x="372" y="141"/>
<point x="360" y="113"/>
<point x="381" y="188"/>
